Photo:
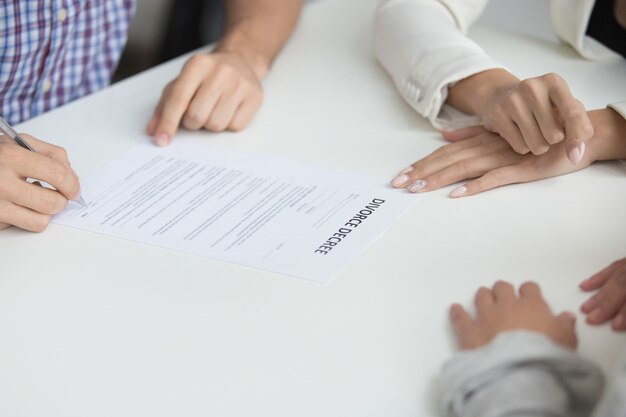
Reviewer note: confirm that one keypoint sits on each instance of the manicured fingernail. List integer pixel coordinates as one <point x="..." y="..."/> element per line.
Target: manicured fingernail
<point x="162" y="139"/>
<point x="406" y="170"/>
<point x="576" y="154"/>
<point x="618" y="322"/>
<point x="458" y="192"/>
<point x="595" y="315"/>
<point x="400" y="180"/>
<point x="418" y="186"/>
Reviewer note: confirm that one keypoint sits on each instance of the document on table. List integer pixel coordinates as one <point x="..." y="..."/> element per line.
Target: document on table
<point x="250" y="209"/>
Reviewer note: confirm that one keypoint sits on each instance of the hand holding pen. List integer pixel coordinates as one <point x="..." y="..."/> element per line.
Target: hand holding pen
<point x="29" y="205"/>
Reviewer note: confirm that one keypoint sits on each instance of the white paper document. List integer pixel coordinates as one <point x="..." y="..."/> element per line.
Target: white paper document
<point x="255" y="210"/>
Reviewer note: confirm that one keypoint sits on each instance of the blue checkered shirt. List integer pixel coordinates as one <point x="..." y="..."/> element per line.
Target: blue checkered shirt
<point x="55" y="51"/>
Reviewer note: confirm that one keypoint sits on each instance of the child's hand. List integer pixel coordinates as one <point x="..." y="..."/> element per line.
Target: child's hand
<point x="609" y="303"/>
<point x="500" y="310"/>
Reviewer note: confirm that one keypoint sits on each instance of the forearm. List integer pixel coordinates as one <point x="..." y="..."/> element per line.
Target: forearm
<point x="257" y="30"/>
<point x="609" y="139"/>
<point x="474" y="93"/>
<point x="423" y="46"/>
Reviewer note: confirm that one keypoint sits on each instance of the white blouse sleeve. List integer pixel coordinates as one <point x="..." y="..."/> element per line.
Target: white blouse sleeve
<point x="423" y="46"/>
<point x="619" y="107"/>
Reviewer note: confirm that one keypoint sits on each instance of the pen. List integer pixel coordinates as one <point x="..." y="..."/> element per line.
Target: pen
<point x="6" y="129"/>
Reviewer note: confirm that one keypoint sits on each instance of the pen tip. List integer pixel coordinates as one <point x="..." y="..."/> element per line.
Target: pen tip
<point x="81" y="201"/>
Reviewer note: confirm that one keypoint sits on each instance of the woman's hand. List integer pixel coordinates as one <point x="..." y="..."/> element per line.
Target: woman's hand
<point x="499" y="309"/>
<point x="532" y="114"/>
<point x="487" y="160"/>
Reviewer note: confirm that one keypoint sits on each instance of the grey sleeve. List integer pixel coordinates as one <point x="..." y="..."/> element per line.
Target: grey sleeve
<point x="614" y="402"/>
<point x="520" y="374"/>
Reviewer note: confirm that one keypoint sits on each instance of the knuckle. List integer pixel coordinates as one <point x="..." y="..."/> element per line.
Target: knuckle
<point x="52" y="203"/>
<point x="223" y="71"/>
<point x="465" y="167"/>
<point x="59" y="153"/>
<point x="193" y="120"/>
<point x="58" y="174"/>
<point x="215" y="124"/>
<point x="510" y="104"/>
<point x="39" y="223"/>
<point x="498" y="176"/>
<point x="552" y="78"/>
<point x="177" y="98"/>
<point x="555" y="137"/>
<point x="168" y="87"/>
<point x="520" y="148"/>
<point x="197" y="62"/>
<point x="574" y="112"/>
<point x="445" y="152"/>
<point x="529" y="87"/>
<point x="8" y="154"/>
<point x="540" y="149"/>
<point x="237" y="125"/>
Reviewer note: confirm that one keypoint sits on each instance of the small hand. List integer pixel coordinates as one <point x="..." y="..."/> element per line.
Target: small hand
<point x="30" y="206"/>
<point x="485" y="156"/>
<point x="500" y="310"/>
<point x="609" y="303"/>
<point x="216" y="91"/>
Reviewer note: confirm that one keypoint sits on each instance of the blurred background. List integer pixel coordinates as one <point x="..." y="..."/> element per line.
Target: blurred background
<point x="164" y="29"/>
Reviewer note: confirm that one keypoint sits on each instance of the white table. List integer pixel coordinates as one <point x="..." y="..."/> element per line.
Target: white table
<point x="96" y="326"/>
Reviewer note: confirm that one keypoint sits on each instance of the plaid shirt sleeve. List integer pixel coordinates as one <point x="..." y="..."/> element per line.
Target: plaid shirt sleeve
<point x="55" y="51"/>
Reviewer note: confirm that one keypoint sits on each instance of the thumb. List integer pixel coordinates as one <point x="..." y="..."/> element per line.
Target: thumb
<point x="575" y="149"/>
<point x="463" y="133"/>
<point x="578" y="127"/>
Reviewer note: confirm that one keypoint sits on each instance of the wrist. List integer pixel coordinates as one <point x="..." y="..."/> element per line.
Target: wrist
<point x="609" y="138"/>
<point x="238" y="42"/>
<point x="475" y="93"/>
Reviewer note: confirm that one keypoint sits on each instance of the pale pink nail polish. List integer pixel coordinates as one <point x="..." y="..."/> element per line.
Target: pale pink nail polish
<point x="417" y="186"/>
<point x="406" y="170"/>
<point x="400" y="180"/>
<point x="575" y="155"/>
<point x="458" y="192"/>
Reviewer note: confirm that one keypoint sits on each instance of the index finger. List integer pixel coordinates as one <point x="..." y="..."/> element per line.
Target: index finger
<point x="44" y="148"/>
<point x="44" y="168"/>
<point x="176" y="101"/>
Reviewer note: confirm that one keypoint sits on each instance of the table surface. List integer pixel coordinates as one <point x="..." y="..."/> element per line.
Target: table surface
<point x="96" y="326"/>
